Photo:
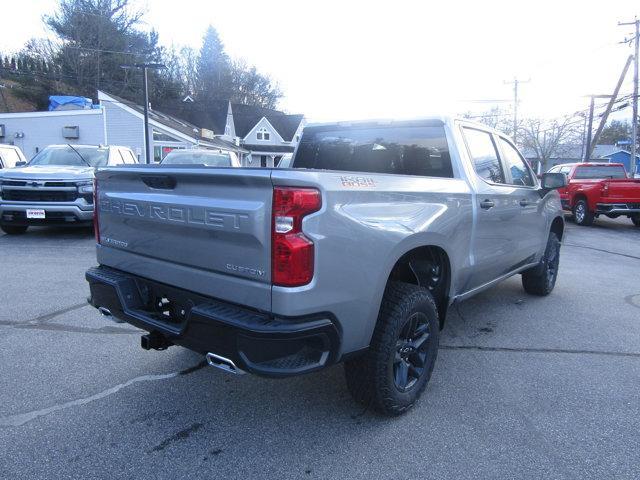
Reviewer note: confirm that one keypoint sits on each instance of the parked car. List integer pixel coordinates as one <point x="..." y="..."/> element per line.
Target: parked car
<point x="10" y="155"/>
<point x="208" y="158"/>
<point x="56" y="186"/>
<point x="353" y="255"/>
<point x="595" y="189"/>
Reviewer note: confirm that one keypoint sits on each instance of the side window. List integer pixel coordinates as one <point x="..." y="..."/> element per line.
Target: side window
<point x="554" y="170"/>
<point x="484" y="156"/>
<point x="127" y="157"/>
<point x="516" y="165"/>
<point x="116" y="157"/>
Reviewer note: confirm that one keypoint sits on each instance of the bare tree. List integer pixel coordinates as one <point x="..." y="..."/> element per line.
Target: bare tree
<point x="550" y="139"/>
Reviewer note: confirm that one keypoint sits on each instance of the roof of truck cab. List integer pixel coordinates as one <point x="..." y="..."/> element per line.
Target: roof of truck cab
<point x="435" y="120"/>
<point x="589" y="164"/>
<point x="381" y="122"/>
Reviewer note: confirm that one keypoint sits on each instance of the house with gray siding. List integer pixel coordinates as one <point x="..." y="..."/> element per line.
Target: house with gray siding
<point x="115" y="121"/>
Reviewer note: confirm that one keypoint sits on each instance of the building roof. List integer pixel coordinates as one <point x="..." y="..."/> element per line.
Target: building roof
<point x="245" y="117"/>
<point x="213" y="116"/>
<point x="269" y="148"/>
<point x="574" y="152"/>
<point x="620" y="150"/>
<point x="174" y="123"/>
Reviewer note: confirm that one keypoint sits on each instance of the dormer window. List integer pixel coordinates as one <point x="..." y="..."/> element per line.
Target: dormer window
<point x="263" y="134"/>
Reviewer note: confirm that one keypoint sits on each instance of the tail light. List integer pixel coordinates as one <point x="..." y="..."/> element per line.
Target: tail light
<point x="96" y="224"/>
<point x="292" y="253"/>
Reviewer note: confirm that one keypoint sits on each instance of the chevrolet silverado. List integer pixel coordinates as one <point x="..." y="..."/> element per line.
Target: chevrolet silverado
<point x="352" y="255"/>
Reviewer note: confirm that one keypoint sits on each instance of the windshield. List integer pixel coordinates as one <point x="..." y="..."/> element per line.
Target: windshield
<point x="401" y="150"/>
<point x="210" y="159"/>
<point x="66" y="156"/>
<point x="591" y="173"/>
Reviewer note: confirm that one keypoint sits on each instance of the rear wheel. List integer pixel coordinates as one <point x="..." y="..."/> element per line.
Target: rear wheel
<point x="636" y="219"/>
<point x="394" y="372"/>
<point x="541" y="279"/>
<point x="581" y="214"/>
<point x="13" y="229"/>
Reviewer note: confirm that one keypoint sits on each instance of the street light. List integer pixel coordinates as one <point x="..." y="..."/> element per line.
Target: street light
<point x="145" y="92"/>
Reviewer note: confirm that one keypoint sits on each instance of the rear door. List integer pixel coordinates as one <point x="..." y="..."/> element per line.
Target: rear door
<point x="205" y="230"/>
<point x="530" y="226"/>
<point x="495" y="243"/>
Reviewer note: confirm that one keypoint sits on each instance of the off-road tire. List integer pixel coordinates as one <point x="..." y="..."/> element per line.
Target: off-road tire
<point x="13" y="229"/>
<point x="370" y="377"/>
<point x="581" y="214"/>
<point x="541" y="279"/>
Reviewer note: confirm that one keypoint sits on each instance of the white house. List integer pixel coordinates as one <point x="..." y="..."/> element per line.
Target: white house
<point x="268" y="134"/>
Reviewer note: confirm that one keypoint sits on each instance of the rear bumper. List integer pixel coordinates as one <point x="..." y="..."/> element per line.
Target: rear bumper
<point x="56" y="214"/>
<point x="618" y="208"/>
<point x="256" y="342"/>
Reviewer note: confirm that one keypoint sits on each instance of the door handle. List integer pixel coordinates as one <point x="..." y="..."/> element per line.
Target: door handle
<point x="524" y="202"/>
<point x="487" y="204"/>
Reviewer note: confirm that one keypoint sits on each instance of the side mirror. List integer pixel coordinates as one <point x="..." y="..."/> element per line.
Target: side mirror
<point x="20" y="163"/>
<point x="552" y="181"/>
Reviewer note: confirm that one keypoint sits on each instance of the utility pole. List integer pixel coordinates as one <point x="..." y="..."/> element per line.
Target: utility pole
<point x="587" y="150"/>
<point x="605" y="115"/>
<point x="634" y="121"/>
<point x="145" y="93"/>
<point x="515" y="83"/>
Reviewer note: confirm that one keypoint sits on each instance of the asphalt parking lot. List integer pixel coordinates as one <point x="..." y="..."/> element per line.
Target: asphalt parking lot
<point x="523" y="386"/>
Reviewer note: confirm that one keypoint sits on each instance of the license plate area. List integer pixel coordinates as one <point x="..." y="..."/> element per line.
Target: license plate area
<point x="36" y="213"/>
<point x="164" y="304"/>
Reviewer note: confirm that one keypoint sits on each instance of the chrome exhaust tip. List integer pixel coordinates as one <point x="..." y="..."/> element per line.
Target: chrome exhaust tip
<point x="105" y="311"/>
<point x="223" y="364"/>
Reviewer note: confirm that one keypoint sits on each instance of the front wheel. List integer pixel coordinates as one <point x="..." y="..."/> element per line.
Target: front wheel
<point x="581" y="214"/>
<point x="636" y="219"/>
<point x="395" y="370"/>
<point x="541" y="279"/>
<point x="13" y="229"/>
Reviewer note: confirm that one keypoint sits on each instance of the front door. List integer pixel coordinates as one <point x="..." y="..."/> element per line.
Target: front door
<point x="495" y="243"/>
<point x="530" y="229"/>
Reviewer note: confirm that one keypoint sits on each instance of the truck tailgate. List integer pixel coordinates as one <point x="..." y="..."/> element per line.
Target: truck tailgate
<point x="626" y="191"/>
<point x="206" y="230"/>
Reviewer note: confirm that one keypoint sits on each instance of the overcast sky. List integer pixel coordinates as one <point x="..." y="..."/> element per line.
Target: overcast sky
<point x="351" y="59"/>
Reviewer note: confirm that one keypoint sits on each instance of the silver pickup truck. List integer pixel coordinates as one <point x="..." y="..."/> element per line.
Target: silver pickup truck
<point x="55" y="187"/>
<point x="352" y="255"/>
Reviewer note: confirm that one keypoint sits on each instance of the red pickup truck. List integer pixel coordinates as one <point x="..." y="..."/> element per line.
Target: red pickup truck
<point x="595" y="189"/>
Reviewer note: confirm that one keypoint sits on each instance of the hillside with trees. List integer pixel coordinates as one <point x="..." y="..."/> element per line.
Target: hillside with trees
<point x="93" y="39"/>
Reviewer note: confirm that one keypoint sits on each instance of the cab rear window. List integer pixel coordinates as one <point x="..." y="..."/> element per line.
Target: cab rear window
<point x="587" y="172"/>
<point x="413" y="150"/>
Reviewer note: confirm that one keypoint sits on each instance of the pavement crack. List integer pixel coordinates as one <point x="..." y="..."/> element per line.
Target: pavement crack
<point x="600" y="250"/>
<point x="40" y="323"/>
<point x="20" y="419"/>
<point x="482" y="348"/>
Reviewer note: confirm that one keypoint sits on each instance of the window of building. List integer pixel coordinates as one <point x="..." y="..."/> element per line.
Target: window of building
<point x="263" y="134"/>
<point x="484" y="156"/>
<point x="515" y="164"/>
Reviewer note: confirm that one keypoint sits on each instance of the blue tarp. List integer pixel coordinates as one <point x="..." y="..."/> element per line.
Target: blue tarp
<point x="56" y="101"/>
